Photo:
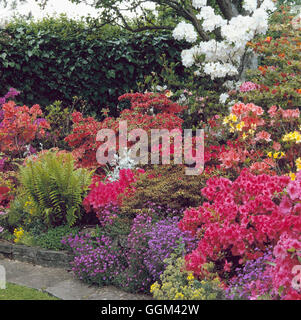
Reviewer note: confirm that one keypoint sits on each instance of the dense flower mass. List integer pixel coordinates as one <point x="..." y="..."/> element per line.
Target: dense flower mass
<point x="20" y="126"/>
<point x="239" y="217"/>
<point x="110" y="193"/>
<point x="233" y="231"/>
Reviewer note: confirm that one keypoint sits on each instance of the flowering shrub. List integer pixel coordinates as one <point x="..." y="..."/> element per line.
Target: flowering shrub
<point x="276" y="81"/>
<point x="20" y="126"/>
<point x="111" y="193"/>
<point x="96" y="259"/>
<point x="147" y="111"/>
<point x="180" y="284"/>
<point x="266" y="142"/>
<point x="287" y="254"/>
<point x="225" y="56"/>
<point x="240" y="217"/>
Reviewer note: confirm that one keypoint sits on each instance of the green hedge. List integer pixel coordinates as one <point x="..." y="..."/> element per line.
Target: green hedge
<point x="57" y="59"/>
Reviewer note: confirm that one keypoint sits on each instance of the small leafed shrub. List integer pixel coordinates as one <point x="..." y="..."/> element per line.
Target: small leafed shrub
<point x="52" y="239"/>
<point x="167" y="186"/>
<point x="178" y="284"/>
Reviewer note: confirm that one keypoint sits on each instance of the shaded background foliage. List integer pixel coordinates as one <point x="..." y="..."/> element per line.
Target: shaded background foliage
<point x="59" y="58"/>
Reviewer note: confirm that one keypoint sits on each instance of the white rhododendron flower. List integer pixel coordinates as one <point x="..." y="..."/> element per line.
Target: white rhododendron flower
<point x="223" y="58"/>
<point x="223" y="97"/>
<point x="250" y="5"/>
<point x="211" y="20"/>
<point x="199" y="3"/>
<point x="185" y="31"/>
<point x="219" y="70"/>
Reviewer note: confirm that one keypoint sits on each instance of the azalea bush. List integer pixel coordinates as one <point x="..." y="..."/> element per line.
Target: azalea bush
<point x="147" y="111"/>
<point x="266" y="142"/>
<point x="276" y="80"/>
<point x="20" y="126"/>
<point x="241" y="219"/>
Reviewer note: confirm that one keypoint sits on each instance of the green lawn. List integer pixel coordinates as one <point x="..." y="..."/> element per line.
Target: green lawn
<point x="16" y="292"/>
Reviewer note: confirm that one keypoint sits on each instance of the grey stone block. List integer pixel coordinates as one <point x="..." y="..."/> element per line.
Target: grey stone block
<point x="24" y="253"/>
<point x="53" y="258"/>
<point x="5" y="247"/>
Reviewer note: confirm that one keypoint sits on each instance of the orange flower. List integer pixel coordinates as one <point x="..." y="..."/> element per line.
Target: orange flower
<point x="268" y="39"/>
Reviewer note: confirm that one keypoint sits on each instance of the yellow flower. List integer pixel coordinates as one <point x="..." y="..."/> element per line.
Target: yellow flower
<point x="292" y="176"/>
<point x="179" y="296"/>
<point x="232" y="129"/>
<point x="240" y="125"/>
<point x="270" y="154"/>
<point x="276" y="154"/>
<point x="154" y="287"/>
<point x="190" y="277"/>
<point x="226" y="120"/>
<point x="18" y="234"/>
<point x="244" y="136"/>
<point x="292" y="136"/>
<point x="233" y="117"/>
<point x="298" y="164"/>
<point x="251" y="132"/>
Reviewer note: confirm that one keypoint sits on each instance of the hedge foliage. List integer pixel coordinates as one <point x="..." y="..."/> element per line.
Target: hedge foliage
<point x="57" y="59"/>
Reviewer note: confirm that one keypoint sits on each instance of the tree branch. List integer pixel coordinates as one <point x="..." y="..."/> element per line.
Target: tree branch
<point x="228" y="8"/>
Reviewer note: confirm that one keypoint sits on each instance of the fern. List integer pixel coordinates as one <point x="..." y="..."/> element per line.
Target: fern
<point x="56" y="187"/>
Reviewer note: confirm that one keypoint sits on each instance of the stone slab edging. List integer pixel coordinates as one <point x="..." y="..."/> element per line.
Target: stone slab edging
<point x="35" y="255"/>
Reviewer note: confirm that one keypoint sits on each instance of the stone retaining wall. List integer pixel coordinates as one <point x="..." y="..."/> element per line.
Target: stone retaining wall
<point x="34" y="255"/>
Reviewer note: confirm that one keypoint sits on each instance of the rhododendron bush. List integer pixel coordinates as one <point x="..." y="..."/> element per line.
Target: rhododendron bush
<point x="243" y="217"/>
<point x="266" y="142"/>
<point x="19" y="125"/>
<point x="110" y="193"/>
<point x="147" y="111"/>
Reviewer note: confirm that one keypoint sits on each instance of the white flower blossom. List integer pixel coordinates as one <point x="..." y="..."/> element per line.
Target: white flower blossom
<point x="185" y="31"/>
<point x="124" y="162"/>
<point x="223" y="97"/>
<point x="199" y="3"/>
<point x="211" y="20"/>
<point x="250" y="5"/>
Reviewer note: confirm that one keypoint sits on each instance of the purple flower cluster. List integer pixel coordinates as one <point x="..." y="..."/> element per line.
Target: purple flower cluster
<point x="108" y="214"/>
<point x="149" y="244"/>
<point x="135" y="264"/>
<point x="254" y="280"/>
<point x="164" y="237"/>
<point x="10" y="94"/>
<point x="95" y="258"/>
